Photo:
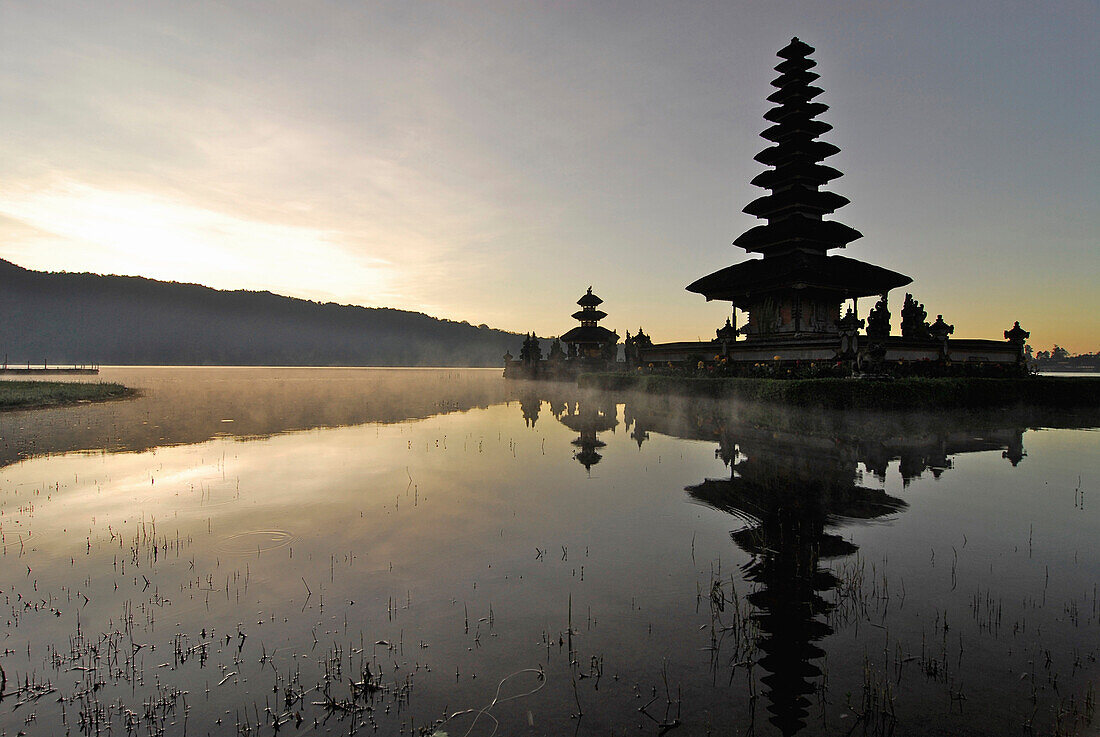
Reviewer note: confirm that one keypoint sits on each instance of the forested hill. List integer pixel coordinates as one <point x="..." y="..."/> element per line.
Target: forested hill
<point x="88" y="318"/>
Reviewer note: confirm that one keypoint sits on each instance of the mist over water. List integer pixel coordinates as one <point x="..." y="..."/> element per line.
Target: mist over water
<point x="335" y="550"/>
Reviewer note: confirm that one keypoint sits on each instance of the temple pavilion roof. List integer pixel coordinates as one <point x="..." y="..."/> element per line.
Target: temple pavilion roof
<point x="590" y="334"/>
<point x="791" y="65"/>
<point x="806" y="109"/>
<point x="788" y="95"/>
<point x="797" y="230"/>
<point x="796" y="172"/>
<point x="798" y="199"/>
<point x="810" y="151"/>
<point x="846" y="277"/>
<point x="791" y="129"/>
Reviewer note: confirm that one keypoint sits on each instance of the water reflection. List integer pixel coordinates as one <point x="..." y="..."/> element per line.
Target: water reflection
<point x="791" y="493"/>
<point x="459" y="547"/>
<point x="184" y="405"/>
<point x="587" y="414"/>
<point x="795" y="480"/>
<point x="932" y="450"/>
<point x="589" y="418"/>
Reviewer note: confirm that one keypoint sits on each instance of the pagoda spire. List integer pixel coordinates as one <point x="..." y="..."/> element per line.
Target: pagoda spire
<point x="795" y="205"/>
<point x="796" y="289"/>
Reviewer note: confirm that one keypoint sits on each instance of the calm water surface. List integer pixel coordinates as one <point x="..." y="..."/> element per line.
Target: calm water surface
<point x="316" y="551"/>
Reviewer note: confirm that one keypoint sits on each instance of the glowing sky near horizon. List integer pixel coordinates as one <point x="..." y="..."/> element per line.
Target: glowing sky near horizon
<point x="487" y="161"/>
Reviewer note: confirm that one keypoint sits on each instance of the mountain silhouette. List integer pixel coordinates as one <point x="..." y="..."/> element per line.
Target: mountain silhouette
<point x="65" y="317"/>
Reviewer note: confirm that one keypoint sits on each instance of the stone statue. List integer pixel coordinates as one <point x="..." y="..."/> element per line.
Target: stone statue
<point x="939" y="330"/>
<point x="1016" y="336"/>
<point x="726" y="334"/>
<point x="609" y="351"/>
<point x="913" y="320"/>
<point x="878" y="320"/>
<point x="633" y="346"/>
<point x="869" y="357"/>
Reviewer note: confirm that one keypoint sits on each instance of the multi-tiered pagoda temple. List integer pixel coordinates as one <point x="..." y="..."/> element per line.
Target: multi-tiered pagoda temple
<point x="794" y="292"/>
<point x="796" y="289"/>
<point x="589" y="339"/>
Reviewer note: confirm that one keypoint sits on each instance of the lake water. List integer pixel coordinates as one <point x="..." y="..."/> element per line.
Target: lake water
<point x="339" y="551"/>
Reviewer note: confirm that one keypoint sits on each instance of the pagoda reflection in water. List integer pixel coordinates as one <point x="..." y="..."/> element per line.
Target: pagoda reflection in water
<point x="588" y="417"/>
<point x="794" y="481"/>
<point x="790" y="495"/>
<point x="530" y="404"/>
<point x="586" y="414"/>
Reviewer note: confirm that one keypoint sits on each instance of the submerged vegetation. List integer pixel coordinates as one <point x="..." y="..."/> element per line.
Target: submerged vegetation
<point x="36" y="394"/>
<point x="906" y="393"/>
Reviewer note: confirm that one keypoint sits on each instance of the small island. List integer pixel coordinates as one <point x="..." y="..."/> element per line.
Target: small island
<point x="802" y="341"/>
<point x="15" y="395"/>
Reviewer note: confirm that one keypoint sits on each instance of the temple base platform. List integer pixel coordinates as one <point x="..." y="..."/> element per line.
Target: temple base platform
<point x="829" y="349"/>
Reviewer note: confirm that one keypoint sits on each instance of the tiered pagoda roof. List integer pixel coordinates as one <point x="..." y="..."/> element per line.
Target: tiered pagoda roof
<point x="797" y="270"/>
<point x="588" y="331"/>
<point x="796" y="238"/>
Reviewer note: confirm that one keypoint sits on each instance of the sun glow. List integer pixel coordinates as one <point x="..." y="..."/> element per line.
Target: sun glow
<point x="76" y="227"/>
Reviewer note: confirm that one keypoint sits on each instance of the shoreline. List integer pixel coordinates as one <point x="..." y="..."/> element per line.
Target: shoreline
<point x="834" y="393"/>
<point x="29" y="395"/>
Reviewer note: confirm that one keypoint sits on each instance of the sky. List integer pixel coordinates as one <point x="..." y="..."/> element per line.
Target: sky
<point x="488" y="161"/>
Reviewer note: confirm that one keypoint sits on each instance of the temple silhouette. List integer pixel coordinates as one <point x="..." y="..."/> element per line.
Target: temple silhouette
<point x="589" y="339"/>
<point x="792" y="291"/>
<point x="796" y="288"/>
<point x="793" y="295"/>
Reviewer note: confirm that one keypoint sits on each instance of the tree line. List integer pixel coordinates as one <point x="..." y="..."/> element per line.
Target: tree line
<point x="89" y="318"/>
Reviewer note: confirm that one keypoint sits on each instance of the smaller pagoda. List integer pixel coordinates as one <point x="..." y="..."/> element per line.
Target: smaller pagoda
<point x="589" y="339"/>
